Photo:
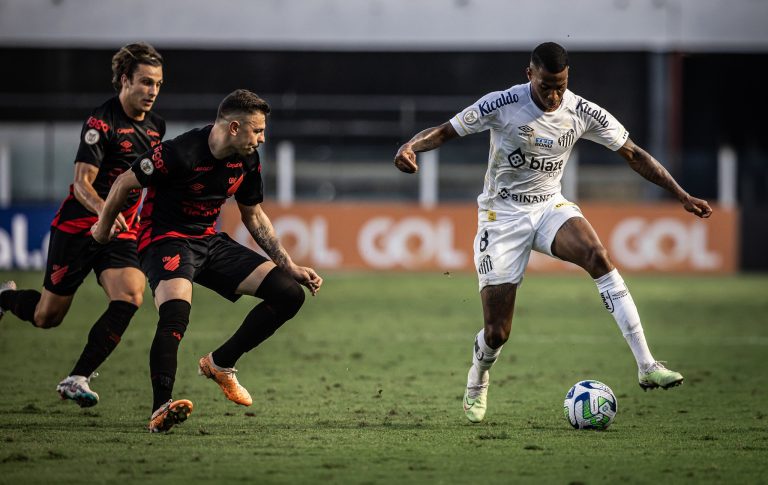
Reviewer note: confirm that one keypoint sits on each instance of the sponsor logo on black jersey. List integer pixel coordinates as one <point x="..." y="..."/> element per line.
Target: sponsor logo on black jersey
<point x="567" y="139"/>
<point x="125" y="131"/>
<point x="487" y="107"/>
<point x="544" y="142"/>
<point x="584" y="108"/>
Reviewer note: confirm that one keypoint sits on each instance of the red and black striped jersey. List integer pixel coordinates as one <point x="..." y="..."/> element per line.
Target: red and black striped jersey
<point x="186" y="186"/>
<point x="111" y="141"/>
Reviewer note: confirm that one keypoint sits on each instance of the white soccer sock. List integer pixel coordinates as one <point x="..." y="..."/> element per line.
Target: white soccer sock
<point x="483" y="358"/>
<point x="619" y="303"/>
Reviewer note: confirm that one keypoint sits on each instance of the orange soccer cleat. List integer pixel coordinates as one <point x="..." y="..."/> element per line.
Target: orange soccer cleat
<point x="226" y="379"/>
<point x="170" y="414"/>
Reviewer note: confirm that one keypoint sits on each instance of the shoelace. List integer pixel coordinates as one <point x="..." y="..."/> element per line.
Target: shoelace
<point x="658" y="365"/>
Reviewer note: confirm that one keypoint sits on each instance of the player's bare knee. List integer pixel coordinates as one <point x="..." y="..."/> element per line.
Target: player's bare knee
<point x="134" y="298"/>
<point x="598" y="262"/>
<point x="48" y="319"/>
<point x="496" y="336"/>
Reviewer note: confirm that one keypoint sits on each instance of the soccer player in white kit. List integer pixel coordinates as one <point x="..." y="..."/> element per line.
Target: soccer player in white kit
<point x="533" y="129"/>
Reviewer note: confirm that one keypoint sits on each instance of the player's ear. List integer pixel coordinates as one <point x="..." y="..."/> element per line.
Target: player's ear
<point x="528" y="72"/>
<point x="123" y="79"/>
<point x="234" y="127"/>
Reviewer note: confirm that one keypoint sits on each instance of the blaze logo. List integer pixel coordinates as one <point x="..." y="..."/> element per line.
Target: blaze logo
<point x="58" y="273"/>
<point x="171" y="262"/>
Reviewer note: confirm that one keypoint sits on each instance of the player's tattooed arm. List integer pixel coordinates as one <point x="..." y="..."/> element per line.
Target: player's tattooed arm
<point x="262" y="231"/>
<point x="646" y="165"/>
<point x="424" y="141"/>
<point x="260" y="228"/>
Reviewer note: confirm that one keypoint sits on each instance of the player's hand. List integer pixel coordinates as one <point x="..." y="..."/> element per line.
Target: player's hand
<point x="308" y="277"/>
<point x="698" y="207"/>
<point x="101" y="235"/>
<point x="405" y="159"/>
<point x="120" y="225"/>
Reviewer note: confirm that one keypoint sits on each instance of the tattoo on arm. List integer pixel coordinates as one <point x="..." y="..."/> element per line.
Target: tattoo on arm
<point x="432" y="138"/>
<point x="643" y="163"/>
<point x="265" y="237"/>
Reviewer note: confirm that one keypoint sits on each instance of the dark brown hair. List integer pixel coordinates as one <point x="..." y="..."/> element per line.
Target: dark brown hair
<point x="241" y="101"/>
<point x="127" y="59"/>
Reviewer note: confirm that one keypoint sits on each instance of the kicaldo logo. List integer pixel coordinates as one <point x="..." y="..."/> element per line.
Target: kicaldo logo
<point x="412" y="242"/>
<point x="663" y="244"/>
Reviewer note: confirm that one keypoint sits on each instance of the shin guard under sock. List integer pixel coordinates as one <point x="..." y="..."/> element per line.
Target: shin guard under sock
<point x="174" y="318"/>
<point x="104" y="337"/>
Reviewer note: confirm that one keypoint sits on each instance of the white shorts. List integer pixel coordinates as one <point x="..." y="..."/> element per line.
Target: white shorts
<point x="504" y="239"/>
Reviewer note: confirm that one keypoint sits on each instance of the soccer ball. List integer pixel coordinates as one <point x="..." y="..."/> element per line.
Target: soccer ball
<point x="590" y="405"/>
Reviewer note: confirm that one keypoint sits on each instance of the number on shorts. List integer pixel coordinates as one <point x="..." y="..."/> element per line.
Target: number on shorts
<point x="484" y="242"/>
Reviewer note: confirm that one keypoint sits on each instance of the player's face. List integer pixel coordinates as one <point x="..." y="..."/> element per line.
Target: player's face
<point x="250" y="133"/>
<point x="141" y="90"/>
<point x="547" y="89"/>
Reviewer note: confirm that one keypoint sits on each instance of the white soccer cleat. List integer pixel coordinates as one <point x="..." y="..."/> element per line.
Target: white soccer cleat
<point x="475" y="400"/>
<point x="77" y="389"/>
<point x="7" y="285"/>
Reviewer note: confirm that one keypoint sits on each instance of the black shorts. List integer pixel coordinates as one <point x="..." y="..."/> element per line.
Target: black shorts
<point x="72" y="256"/>
<point x="216" y="262"/>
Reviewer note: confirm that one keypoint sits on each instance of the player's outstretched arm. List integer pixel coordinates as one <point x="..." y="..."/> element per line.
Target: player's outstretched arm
<point x="643" y="163"/>
<point x="260" y="227"/>
<point x="109" y="223"/>
<point x="424" y="141"/>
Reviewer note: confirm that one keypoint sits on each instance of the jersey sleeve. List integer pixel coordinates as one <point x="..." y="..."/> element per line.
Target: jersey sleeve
<point x="156" y="165"/>
<point x="480" y="116"/>
<point x="600" y="126"/>
<point x="94" y="138"/>
<point x="251" y="190"/>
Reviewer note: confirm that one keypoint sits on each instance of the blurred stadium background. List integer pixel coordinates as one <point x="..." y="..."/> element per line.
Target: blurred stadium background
<point x="350" y="81"/>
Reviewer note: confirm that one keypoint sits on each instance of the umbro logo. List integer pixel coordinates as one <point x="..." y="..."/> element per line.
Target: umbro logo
<point x="196" y="187"/>
<point x="525" y="130"/>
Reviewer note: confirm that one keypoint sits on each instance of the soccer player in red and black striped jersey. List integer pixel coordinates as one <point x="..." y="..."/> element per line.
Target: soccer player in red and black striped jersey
<point x="112" y="137"/>
<point x="188" y="179"/>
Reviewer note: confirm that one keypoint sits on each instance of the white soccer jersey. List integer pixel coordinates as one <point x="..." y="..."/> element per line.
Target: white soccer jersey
<point x="530" y="147"/>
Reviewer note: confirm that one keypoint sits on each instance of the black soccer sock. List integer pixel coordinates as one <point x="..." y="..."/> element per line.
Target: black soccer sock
<point x="283" y="298"/>
<point x="174" y="318"/>
<point x="104" y="337"/>
<point x="21" y="303"/>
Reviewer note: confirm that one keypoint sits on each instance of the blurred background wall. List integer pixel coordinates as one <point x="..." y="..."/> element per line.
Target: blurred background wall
<point x="350" y="81"/>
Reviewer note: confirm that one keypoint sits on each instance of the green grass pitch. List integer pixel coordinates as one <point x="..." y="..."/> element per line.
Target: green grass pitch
<point x="364" y="386"/>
